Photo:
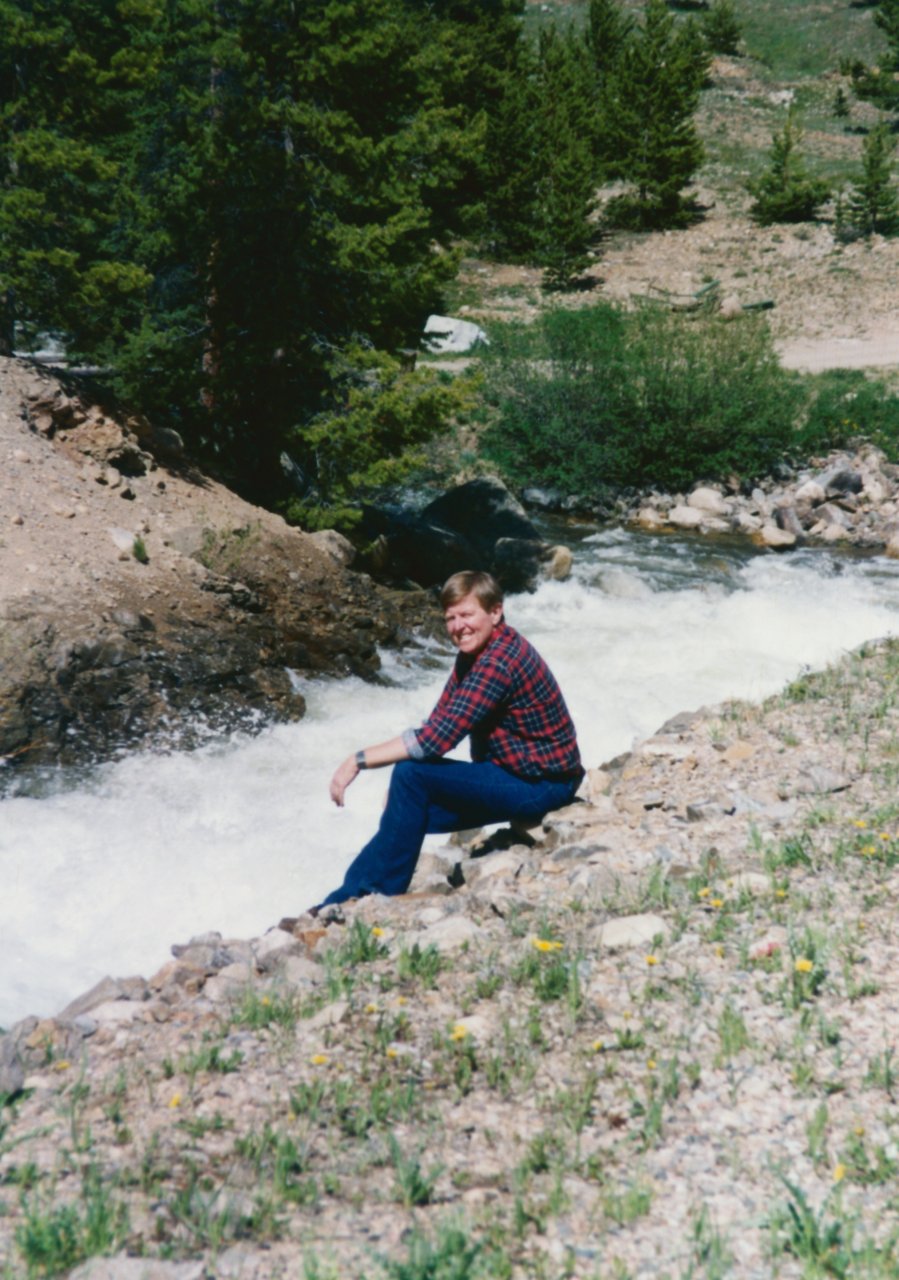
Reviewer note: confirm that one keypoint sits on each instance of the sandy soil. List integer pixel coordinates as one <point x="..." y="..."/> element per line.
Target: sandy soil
<point x="834" y="305"/>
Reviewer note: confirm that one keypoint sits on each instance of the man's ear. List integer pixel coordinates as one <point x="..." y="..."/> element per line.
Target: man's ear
<point x="496" y="615"/>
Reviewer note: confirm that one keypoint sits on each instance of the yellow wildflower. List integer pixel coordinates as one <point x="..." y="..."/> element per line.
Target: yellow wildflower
<point x="651" y="960"/>
<point x="717" y="902"/>
<point x="719" y="951"/>
<point x="839" y="1173"/>
<point x="597" y="1046"/>
<point x="175" y="1100"/>
<point x="371" y="1008"/>
<point x="885" y="835"/>
<point x="780" y="893"/>
<point x="377" y="931"/>
<point x="650" y="1064"/>
<point x="804" y="965"/>
<point x="544" y="944"/>
<point x="704" y="892"/>
<point x="266" y="1000"/>
<point x="62" y="1065"/>
<point x="459" y="1032"/>
<point x="860" y="823"/>
<point x="391" y="1052"/>
<point x="859" y="1130"/>
<point x="318" y="1059"/>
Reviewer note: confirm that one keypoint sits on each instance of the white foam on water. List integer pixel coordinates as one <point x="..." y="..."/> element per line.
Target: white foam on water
<point x="101" y="877"/>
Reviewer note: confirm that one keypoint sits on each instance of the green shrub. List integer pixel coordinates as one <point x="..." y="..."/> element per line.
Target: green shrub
<point x="845" y="405"/>
<point x="371" y="435"/>
<point x="598" y="396"/>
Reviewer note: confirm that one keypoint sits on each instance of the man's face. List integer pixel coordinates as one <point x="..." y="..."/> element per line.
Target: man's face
<point x="469" y="625"/>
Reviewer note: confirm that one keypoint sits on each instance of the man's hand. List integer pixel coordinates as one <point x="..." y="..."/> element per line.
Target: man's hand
<point x="345" y="774"/>
<point x="374" y="757"/>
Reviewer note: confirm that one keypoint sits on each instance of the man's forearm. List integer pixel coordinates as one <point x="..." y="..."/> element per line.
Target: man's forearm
<point x="375" y="757"/>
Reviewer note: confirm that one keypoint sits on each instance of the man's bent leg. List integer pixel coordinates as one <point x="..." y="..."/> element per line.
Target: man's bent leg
<point x="386" y="863"/>
<point x="440" y="796"/>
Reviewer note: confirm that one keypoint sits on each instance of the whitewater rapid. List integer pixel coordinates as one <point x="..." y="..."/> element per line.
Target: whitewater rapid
<point x="101" y="872"/>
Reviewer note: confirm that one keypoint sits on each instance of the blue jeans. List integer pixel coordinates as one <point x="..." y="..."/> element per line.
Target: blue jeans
<point x="427" y="797"/>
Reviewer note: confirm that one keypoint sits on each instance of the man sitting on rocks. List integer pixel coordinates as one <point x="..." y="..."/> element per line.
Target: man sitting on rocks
<point x="524" y="753"/>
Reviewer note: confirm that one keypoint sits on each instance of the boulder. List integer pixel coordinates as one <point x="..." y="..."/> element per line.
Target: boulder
<point x="709" y="500"/>
<point x="810" y="493"/>
<point x="476" y="525"/>
<point x="785" y="518"/>
<point x="683" y="517"/>
<point x="648" y="518"/>
<point x="773" y="538"/>
<point x="450" y="335"/>
<point x="841" y="479"/>
<point x="557" y="563"/>
<point x="335" y="546"/>
<point x="484" y="511"/>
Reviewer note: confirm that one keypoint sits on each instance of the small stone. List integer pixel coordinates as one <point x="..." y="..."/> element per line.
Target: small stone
<point x="701" y="810"/>
<point x="124" y="1268"/>
<point x="300" y="971"/>
<point x="451" y="934"/>
<point x="630" y="931"/>
<point x="273" y="947"/>
<point x="331" y="1016"/>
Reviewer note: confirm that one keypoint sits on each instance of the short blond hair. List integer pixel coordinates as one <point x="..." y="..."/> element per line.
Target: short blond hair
<point x="483" y="586"/>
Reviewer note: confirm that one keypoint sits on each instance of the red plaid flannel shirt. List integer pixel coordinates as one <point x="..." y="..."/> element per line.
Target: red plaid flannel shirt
<point x="508" y="700"/>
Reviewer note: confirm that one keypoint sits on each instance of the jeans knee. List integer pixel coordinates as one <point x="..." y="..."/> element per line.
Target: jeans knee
<point x="408" y="772"/>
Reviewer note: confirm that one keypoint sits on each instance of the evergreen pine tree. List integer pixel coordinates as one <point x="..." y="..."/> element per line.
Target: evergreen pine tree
<point x="786" y="192"/>
<point x="648" y="109"/>
<point x="566" y="188"/>
<point x="880" y="84"/>
<point x="67" y="252"/>
<point x="608" y="29"/>
<point x="872" y="205"/>
<point x="215" y="196"/>
<point x="514" y="156"/>
<point x="721" y="28"/>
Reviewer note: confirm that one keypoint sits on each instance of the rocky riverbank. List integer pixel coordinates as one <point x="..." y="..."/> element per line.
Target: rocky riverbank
<point x="846" y="498"/>
<point x="655" y="1037"/>
<point x="140" y="599"/>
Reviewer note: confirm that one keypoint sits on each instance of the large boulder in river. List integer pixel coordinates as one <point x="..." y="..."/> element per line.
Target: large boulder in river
<point x="476" y="525"/>
<point x="483" y="511"/>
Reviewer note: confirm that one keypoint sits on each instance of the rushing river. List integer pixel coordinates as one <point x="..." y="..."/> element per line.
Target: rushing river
<point x="100" y="874"/>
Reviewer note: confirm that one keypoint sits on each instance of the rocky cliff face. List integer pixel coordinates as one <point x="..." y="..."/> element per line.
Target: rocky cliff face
<point x="140" y="598"/>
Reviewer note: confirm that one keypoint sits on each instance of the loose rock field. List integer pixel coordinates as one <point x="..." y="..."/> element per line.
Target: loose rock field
<point x="658" y="1041"/>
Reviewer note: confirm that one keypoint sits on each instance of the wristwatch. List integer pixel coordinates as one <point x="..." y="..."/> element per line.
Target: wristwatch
<point x="360" y="760"/>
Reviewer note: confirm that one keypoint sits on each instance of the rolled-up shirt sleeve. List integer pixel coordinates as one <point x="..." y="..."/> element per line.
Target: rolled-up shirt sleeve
<point x="412" y="745"/>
